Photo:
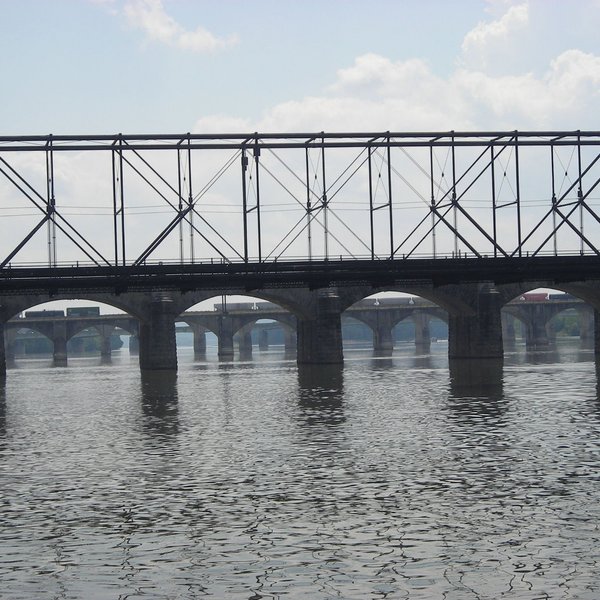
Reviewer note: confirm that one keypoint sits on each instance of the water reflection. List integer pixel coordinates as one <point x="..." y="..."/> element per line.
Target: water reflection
<point x="2" y="407"/>
<point x="476" y="377"/>
<point x="476" y="392"/>
<point x="381" y="364"/>
<point x="159" y="401"/>
<point x="321" y="394"/>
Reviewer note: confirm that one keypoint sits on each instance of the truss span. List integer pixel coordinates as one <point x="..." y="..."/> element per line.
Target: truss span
<point x="251" y="203"/>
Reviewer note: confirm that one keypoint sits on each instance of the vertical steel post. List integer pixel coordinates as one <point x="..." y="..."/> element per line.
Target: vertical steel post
<point x="371" y="204"/>
<point x="244" y="164"/>
<point x="580" y="194"/>
<point x="118" y="200"/>
<point x="454" y="209"/>
<point x="122" y="201"/>
<point x="256" y="177"/>
<point x="308" y="206"/>
<point x="115" y="209"/>
<point x="390" y="207"/>
<point x="190" y="199"/>
<point x="494" y="219"/>
<point x="432" y="205"/>
<point x="50" y="205"/>
<point x="324" y="200"/>
<point x="518" y="190"/>
<point x="180" y="206"/>
<point x="554" y="233"/>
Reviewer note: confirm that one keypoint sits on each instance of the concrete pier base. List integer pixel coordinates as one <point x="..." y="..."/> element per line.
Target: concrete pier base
<point x="383" y="342"/>
<point x="477" y="335"/>
<point x="422" y="332"/>
<point x="59" y="338"/>
<point x="263" y="340"/>
<point x="245" y="344"/>
<point x="158" y="348"/>
<point x="2" y="353"/>
<point x="320" y="335"/>
<point x="225" y="339"/>
<point x="199" y="334"/>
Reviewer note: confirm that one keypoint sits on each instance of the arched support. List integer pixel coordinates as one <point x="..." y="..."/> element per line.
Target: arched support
<point x="290" y="341"/>
<point x="536" y="330"/>
<point x="263" y="340"/>
<point x="225" y="338"/>
<point x="105" y="332"/>
<point x="508" y="330"/>
<point x="199" y="334"/>
<point x="59" y="339"/>
<point x="245" y="343"/>
<point x="10" y="343"/>
<point x="383" y="338"/>
<point x="320" y="333"/>
<point x="586" y="326"/>
<point x="158" y="348"/>
<point x="477" y="335"/>
<point x="422" y="333"/>
<point x="597" y="333"/>
<point x="2" y="353"/>
<point x="134" y="344"/>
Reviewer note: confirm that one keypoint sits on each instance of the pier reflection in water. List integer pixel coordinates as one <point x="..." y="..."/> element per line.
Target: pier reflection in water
<point x="390" y="477"/>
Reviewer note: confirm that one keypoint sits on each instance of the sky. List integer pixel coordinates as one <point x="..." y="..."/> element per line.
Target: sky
<point x="173" y="66"/>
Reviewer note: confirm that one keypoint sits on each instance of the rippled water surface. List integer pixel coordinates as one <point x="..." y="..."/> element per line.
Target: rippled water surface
<point x="391" y="478"/>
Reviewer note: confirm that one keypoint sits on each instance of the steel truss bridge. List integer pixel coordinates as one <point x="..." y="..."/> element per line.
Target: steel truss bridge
<point x="220" y="211"/>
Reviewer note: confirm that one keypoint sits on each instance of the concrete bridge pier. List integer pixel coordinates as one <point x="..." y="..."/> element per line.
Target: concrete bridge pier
<point x="382" y="327"/>
<point x="263" y="340"/>
<point x="290" y="343"/>
<point x="536" y="334"/>
<point x="2" y="353"/>
<point x="9" y="347"/>
<point x="105" y="332"/>
<point x="245" y="343"/>
<point x="158" y="348"/>
<point x="479" y="334"/>
<point x="508" y="330"/>
<point x="199" y="335"/>
<point x="422" y="332"/>
<point x="134" y="344"/>
<point x="597" y="334"/>
<point x="59" y="339"/>
<point x="225" y="338"/>
<point x="320" y="333"/>
<point x="586" y="326"/>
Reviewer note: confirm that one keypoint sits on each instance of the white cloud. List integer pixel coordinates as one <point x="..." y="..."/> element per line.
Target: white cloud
<point x="495" y="39"/>
<point x="150" y="16"/>
<point x="379" y="94"/>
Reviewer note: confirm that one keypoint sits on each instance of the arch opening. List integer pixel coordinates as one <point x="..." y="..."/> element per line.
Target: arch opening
<point x="54" y="331"/>
<point x="547" y="320"/>
<point x="229" y="327"/>
<point x="388" y="322"/>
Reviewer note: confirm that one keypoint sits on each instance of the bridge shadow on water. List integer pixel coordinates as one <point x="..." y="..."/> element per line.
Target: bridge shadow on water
<point x="159" y="399"/>
<point x="321" y="394"/>
<point x="2" y="407"/>
<point x="476" y="393"/>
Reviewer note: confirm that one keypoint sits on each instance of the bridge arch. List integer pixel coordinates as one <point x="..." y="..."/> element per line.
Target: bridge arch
<point x="231" y="317"/>
<point x="538" y="309"/>
<point x="382" y="312"/>
<point x="52" y="318"/>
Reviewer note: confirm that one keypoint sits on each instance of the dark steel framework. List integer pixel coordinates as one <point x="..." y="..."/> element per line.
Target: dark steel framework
<point x="422" y="195"/>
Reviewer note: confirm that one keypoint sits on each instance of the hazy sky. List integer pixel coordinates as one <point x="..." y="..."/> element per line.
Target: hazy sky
<point x="104" y="66"/>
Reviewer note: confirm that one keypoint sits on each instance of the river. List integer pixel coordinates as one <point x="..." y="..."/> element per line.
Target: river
<point x="389" y="478"/>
